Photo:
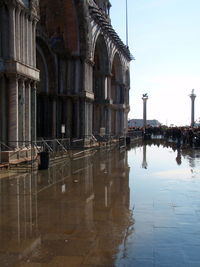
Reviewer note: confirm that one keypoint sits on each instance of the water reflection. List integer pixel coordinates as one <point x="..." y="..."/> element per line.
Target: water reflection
<point x="178" y="157"/>
<point x="98" y="211"/>
<point x="166" y="205"/>
<point x="75" y="213"/>
<point x="144" y="161"/>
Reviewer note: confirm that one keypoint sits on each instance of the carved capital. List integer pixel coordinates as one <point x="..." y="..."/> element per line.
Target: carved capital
<point x="34" y="4"/>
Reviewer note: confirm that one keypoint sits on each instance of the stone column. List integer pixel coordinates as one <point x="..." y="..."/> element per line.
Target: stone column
<point x="18" y="29"/>
<point x="34" y="44"/>
<point x="13" y="134"/>
<point x="77" y="117"/>
<point x="102" y="116"/>
<point x="145" y="98"/>
<point x="192" y="96"/>
<point x="27" y="41"/>
<point x="31" y="44"/>
<point x="21" y="112"/>
<point x="12" y="34"/>
<point x="33" y="112"/>
<point x="54" y="132"/>
<point x="69" y="118"/>
<point x="3" y="109"/>
<point x="22" y="48"/>
<point x="28" y="113"/>
<point x="23" y="34"/>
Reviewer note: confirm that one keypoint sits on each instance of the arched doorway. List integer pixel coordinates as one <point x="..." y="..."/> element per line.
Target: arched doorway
<point x="100" y="72"/>
<point x="117" y="96"/>
<point x="45" y="88"/>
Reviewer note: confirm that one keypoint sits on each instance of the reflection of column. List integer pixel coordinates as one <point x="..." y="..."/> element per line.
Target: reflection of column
<point x="18" y="212"/>
<point x="144" y="162"/>
<point x="13" y="112"/>
<point x="145" y="98"/>
<point x="192" y="96"/>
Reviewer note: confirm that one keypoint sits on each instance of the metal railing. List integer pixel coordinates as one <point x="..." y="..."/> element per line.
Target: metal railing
<point x="22" y="151"/>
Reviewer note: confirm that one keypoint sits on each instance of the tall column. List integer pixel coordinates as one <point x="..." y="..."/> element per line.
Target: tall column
<point x="33" y="112"/>
<point x="13" y="134"/>
<point x="18" y="28"/>
<point x="77" y="117"/>
<point x="54" y="120"/>
<point x="192" y="96"/>
<point x="12" y="31"/>
<point x="28" y="113"/>
<point x="21" y="112"/>
<point x="27" y="39"/>
<point x="21" y="36"/>
<point x="145" y="98"/>
<point x="31" y="42"/>
<point x="3" y="109"/>
<point x="24" y="37"/>
<point x="34" y="44"/>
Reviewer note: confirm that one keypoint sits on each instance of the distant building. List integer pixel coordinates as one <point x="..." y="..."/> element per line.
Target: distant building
<point x="139" y="123"/>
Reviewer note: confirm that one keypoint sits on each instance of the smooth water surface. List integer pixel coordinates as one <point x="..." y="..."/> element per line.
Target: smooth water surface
<point x="120" y="208"/>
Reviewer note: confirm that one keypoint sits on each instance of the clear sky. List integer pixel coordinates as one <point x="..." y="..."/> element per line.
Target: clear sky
<point x="164" y="38"/>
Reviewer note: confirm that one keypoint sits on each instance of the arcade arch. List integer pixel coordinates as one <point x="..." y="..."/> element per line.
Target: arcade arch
<point x="100" y="86"/>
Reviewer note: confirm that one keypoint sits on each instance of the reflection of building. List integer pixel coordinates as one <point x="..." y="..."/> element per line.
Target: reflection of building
<point x="19" y="214"/>
<point x="83" y="66"/>
<point x="75" y="212"/>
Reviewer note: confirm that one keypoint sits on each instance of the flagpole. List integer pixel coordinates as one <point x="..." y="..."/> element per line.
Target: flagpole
<point x="127" y="23"/>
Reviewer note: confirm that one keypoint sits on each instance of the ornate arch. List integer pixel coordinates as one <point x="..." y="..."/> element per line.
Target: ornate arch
<point x="47" y="66"/>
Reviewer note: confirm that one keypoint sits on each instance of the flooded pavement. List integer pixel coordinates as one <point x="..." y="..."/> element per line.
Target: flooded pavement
<point x="120" y="208"/>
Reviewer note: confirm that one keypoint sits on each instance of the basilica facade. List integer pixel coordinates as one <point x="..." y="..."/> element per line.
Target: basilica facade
<point x="64" y="71"/>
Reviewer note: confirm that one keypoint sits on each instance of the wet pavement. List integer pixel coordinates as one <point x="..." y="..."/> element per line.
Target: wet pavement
<point x="115" y="208"/>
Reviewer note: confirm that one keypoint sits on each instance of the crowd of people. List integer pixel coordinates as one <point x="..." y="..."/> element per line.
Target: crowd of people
<point x="181" y="135"/>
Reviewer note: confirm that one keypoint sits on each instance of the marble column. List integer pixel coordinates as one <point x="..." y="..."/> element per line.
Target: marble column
<point x="33" y="37"/>
<point x="13" y="134"/>
<point x="21" y="112"/>
<point x="145" y="98"/>
<point x="192" y="96"/>
<point x="12" y="32"/>
<point x="30" y="41"/>
<point x="77" y="117"/>
<point x="18" y="29"/>
<point x="54" y="132"/>
<point x="28" y="113"/>
<point x="3" y="109"/>
<point x="33" y="112"/>
<point x="21" y="37"/>
<point x="27" y="39"/>
<point x="24" y="37"/>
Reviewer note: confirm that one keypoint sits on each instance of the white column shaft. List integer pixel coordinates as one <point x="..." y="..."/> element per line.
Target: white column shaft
<point x="13" y="112"/>
<point x="28" y="112"/>
<point x="12" y="32"/>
